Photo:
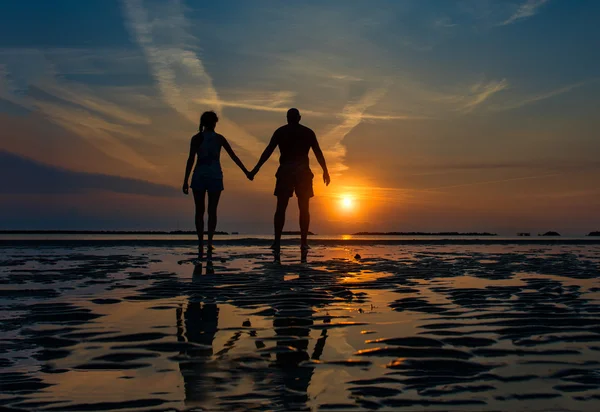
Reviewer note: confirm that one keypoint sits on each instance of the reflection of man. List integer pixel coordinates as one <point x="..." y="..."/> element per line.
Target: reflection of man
<point x="294" y="174"/>
<point x="294" y="379"/>
<point x="293" y="321"/>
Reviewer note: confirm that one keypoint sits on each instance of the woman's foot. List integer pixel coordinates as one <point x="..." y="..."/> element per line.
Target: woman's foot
<point x="304" y="252"/>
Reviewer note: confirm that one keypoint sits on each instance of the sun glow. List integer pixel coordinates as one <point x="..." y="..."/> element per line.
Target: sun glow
<point x="347" y="203"/>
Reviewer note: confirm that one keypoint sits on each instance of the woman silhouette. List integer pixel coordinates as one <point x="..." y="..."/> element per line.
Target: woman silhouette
<point x="208" y="175"/>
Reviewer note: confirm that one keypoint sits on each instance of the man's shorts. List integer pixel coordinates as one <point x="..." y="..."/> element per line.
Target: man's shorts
<point x="289" y="182"/>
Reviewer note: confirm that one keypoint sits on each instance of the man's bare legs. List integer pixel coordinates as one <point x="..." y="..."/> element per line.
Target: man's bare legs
<point x="303" y="206"/>
<point x="213" y="202"/>
<point x="279" y="221"/>
<point x="199" y="219"/>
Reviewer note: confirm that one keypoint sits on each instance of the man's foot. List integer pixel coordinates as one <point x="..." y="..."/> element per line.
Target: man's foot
<point x="276" y="248"/>
<point x="303" y="257"/>
<point x="209" y="252"/>
<point x="200" y="252"/>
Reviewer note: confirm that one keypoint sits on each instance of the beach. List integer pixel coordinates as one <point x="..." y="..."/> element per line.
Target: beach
<point x="415" y="324"/>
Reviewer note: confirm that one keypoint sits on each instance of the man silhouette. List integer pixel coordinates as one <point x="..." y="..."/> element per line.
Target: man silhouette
<point x="294" y="174"/>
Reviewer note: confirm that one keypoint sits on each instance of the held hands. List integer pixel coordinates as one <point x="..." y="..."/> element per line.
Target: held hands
<point x="185" y="188"/>
<point x="326" y="178"/>
<point x="250" y="174"/>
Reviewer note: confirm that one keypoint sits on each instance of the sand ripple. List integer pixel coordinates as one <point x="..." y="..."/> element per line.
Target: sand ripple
<point x="430" y="327"/>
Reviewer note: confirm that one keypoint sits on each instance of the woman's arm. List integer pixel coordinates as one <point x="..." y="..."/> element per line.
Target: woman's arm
<point x="233" y="156"/>
<point x="190" y="162"/>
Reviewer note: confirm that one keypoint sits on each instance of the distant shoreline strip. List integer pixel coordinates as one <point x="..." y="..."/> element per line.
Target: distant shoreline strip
<point x="285" y="232"/>
<point x="74" y="243"/>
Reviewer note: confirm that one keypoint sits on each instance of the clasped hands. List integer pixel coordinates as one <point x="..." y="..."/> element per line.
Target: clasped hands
<point x="250" y="174"/>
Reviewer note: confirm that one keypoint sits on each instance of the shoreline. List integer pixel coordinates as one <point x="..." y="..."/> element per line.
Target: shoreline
<point x="9" y="243"/>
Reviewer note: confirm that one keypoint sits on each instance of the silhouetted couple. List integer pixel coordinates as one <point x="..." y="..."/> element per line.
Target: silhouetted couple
<point x="293" y="176"/>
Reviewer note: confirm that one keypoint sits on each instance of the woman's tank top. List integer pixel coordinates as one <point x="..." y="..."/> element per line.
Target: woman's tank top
<point x="209" y="153"/>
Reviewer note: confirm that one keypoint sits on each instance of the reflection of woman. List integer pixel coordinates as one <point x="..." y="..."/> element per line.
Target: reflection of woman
<point x="208" y="175"/>
<point x="197" y="323"/>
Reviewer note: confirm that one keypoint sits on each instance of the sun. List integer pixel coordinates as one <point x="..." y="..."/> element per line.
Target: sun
<point x="347" y="203"/>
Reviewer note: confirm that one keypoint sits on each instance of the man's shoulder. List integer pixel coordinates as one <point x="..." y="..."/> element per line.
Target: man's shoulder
<point x="282" y="129"/>
<point x="281" y="132"/>
<point x="294" y="129"/>
<point x="307" y="131"/>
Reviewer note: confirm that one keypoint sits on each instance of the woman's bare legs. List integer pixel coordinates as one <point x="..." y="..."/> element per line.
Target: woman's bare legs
<point x="213" y="203"/>
<point x="199" y="196"/>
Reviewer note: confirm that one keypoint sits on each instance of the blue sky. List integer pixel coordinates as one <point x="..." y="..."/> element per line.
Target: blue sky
<point x="434" y="115"/>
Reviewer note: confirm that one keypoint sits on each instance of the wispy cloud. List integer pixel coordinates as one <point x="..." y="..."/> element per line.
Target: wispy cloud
<point x="76" y="109"/>
<point x="265" y="107"/>
<point x="537" y="97"/>
<point x="83" y="96"/>
<point x="480" y="92"/>
<point x="528" y="9"/>
<point x="469" y="98"/>
<point x="352" y="114"/>
<point x="568" y="194"/>
<point x="486" y="182"/>
<point x="366" y="116"/>
<point x="444" y="23"/>
<point x="345" y="77"/>
<point x="97" y="131"/>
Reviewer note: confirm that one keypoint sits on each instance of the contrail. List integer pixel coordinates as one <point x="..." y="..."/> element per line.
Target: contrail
<point x="169" y="58"/>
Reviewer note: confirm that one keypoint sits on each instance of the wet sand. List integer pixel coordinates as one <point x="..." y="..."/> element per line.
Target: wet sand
<point x="480" y="327"/>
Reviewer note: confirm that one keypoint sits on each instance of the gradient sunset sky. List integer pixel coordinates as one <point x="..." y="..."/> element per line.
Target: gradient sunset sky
<point x="469" y="115"/>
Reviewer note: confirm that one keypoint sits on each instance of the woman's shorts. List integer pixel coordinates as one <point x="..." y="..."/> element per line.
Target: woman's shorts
<point x="209" y="184"/>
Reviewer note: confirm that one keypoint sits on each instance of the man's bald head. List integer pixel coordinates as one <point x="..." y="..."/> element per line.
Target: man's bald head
<point x="293" y="116"/>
